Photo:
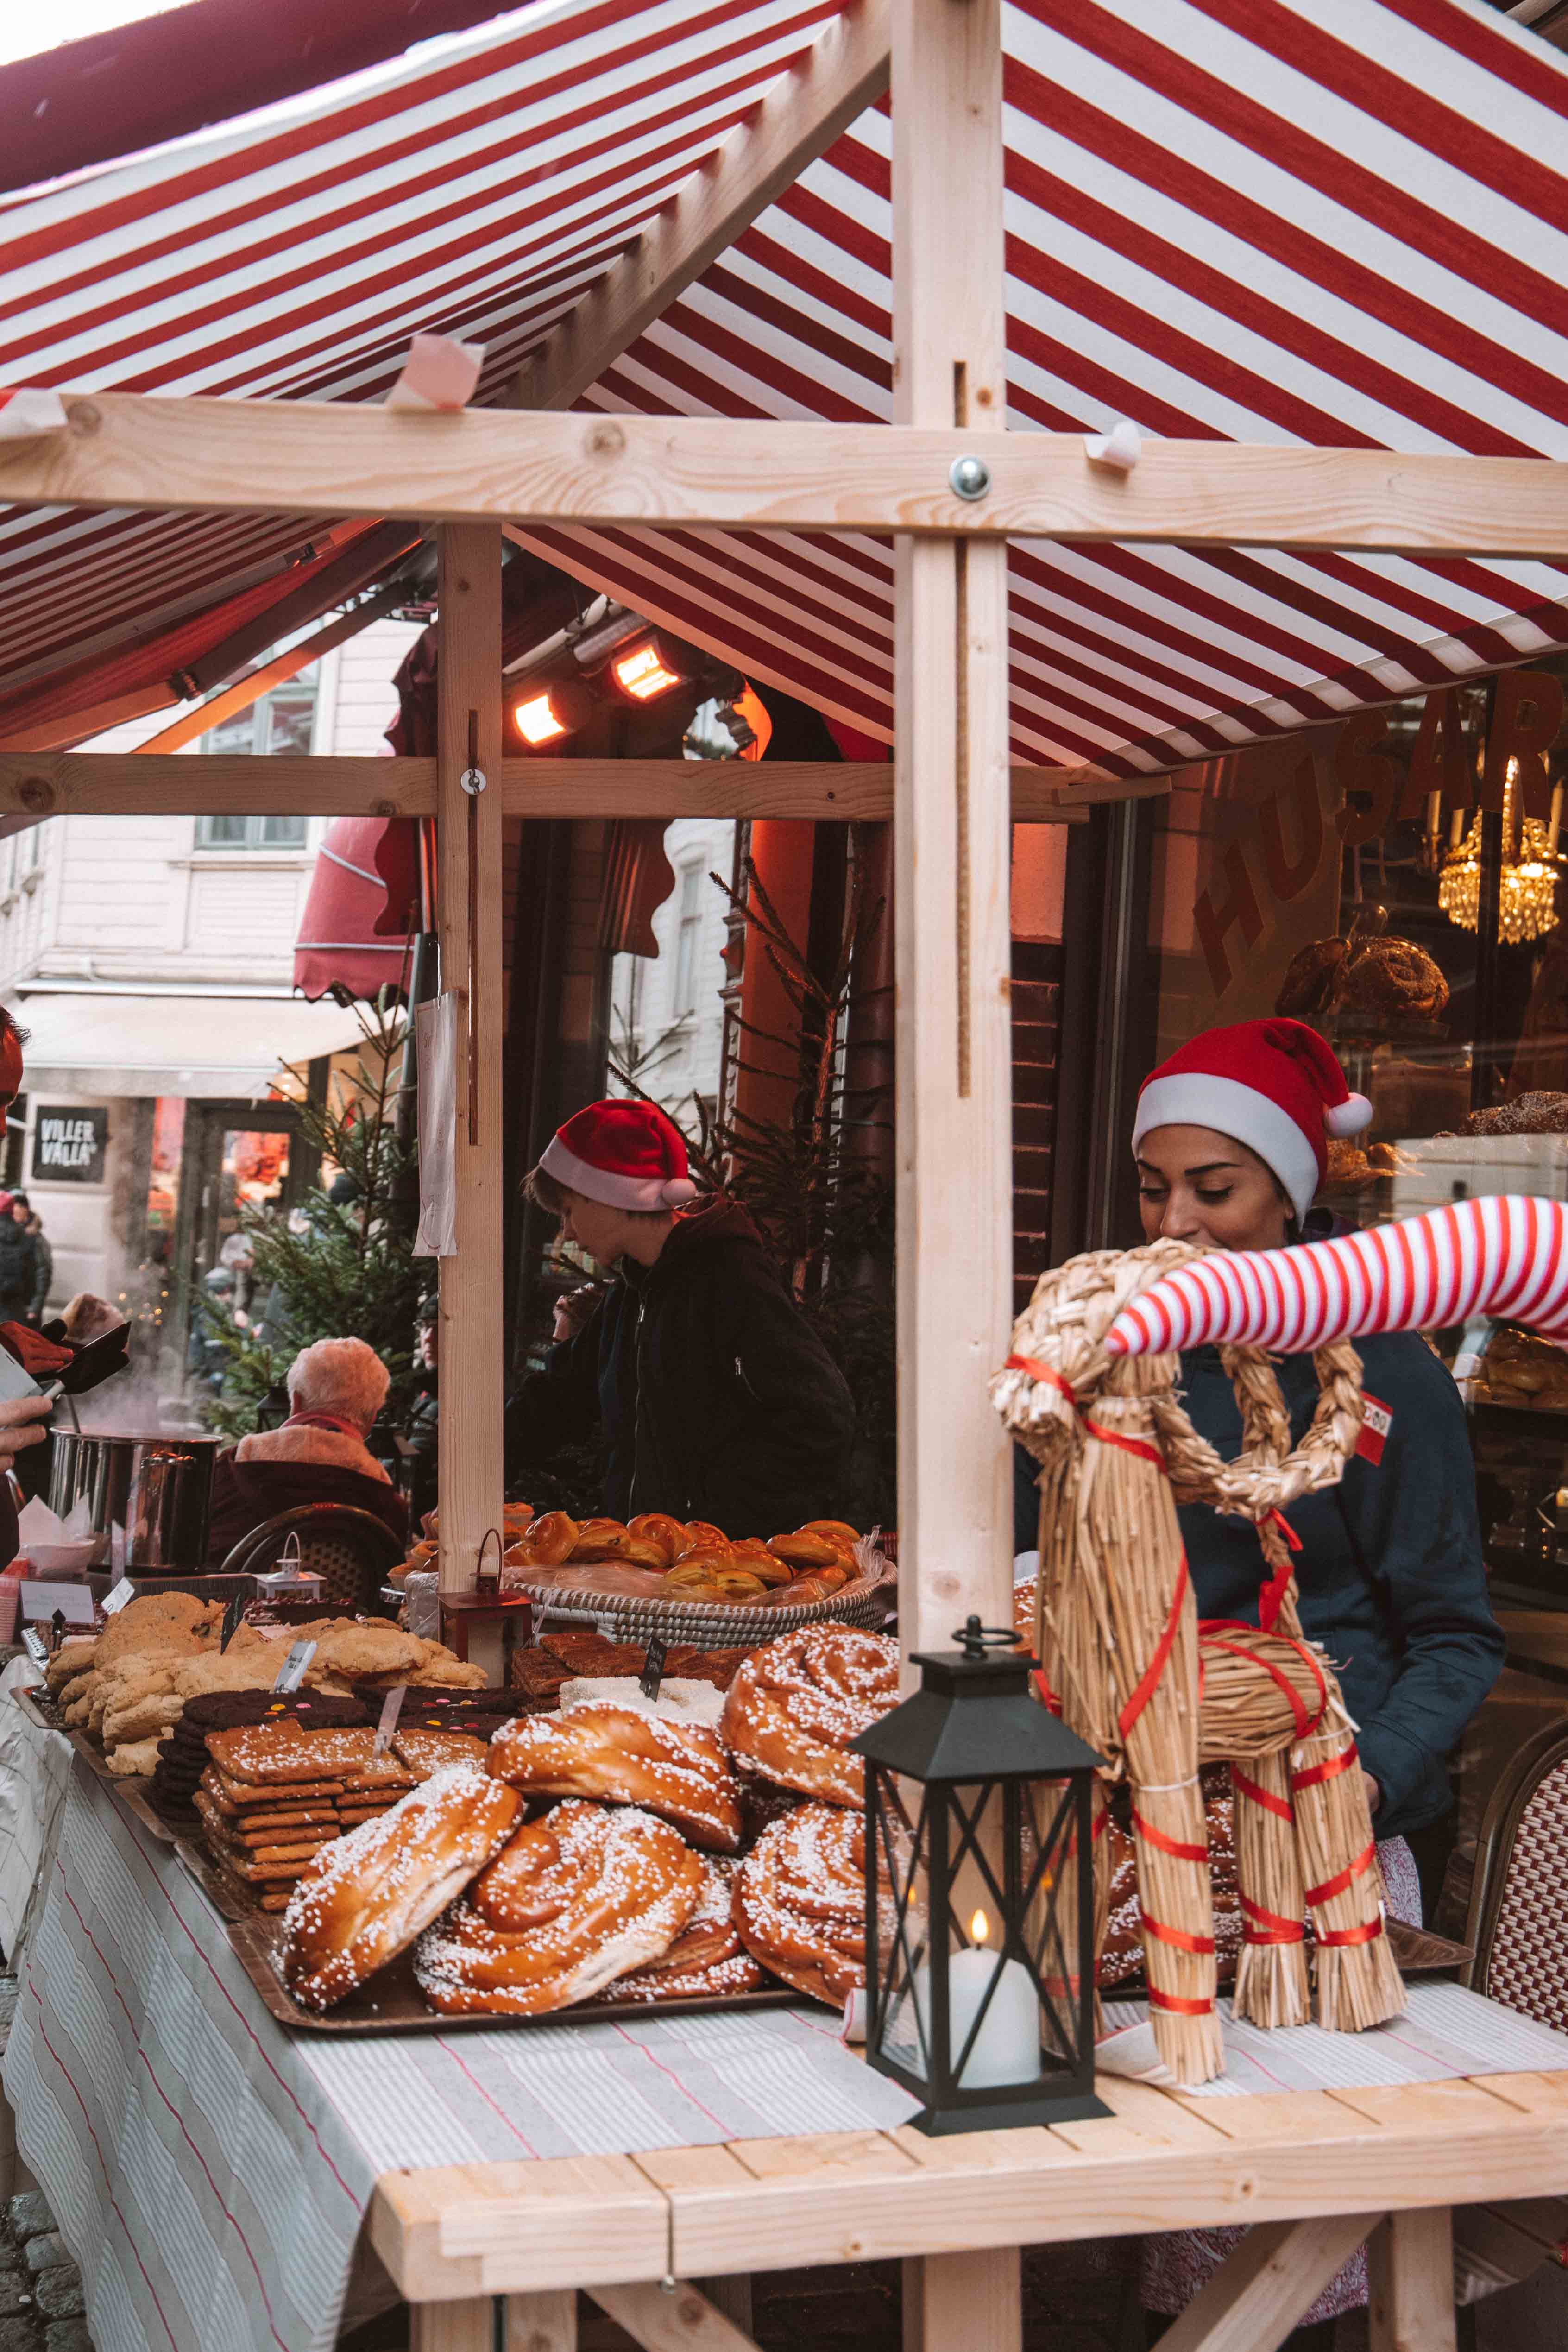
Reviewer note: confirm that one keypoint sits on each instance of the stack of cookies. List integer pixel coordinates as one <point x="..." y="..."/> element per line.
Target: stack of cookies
<point x="182" y="1756"/>
<point x="274" y="1793"/>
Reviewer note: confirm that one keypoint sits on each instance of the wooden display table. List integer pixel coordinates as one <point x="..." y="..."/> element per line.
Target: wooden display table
<point x="1320" y="2170"/>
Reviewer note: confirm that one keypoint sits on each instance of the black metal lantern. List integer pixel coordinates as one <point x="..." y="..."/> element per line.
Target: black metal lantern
<point x="980" y="1895"/>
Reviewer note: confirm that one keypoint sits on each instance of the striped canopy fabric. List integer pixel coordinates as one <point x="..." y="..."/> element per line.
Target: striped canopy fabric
<point x="1329" y="221"/>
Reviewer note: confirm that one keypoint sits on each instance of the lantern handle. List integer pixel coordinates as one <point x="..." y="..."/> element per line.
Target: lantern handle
<point x="975" y="1639"/>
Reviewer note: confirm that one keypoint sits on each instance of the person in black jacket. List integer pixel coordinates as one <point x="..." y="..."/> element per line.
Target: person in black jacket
<point x="714" y="1398"/>
<point x="18" y="1266"/>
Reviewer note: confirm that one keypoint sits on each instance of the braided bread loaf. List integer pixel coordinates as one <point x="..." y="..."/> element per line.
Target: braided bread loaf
<point x="574" y="1901"/>
<point x="675" y="1769"/>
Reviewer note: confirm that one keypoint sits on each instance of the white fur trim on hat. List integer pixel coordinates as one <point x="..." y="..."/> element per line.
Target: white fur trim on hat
<point x="1349" y="1117"/>
<point x="643" y="1195"/>
<point x="1193" y="1099"/>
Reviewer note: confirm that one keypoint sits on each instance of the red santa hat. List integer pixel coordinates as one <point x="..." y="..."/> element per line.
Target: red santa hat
<point x="626" y="1154"/>
<point x="1271" y="1084"/>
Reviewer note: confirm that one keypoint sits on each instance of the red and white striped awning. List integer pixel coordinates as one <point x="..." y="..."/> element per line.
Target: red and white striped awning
<point x="1332" y="222"/>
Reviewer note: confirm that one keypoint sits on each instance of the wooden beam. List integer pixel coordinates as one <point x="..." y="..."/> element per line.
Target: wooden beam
<point x="685" y="2321"/>
<point x="473" y="1353"/>
<point x="324" y="458"/>
<point x="465" y="2326"/>
<point x="952" y="844"/>
<point x="138" y="783"/>
<point x="203" y="784"/>
<point x="542" y="2322"/>
<point x="1410" y="2275"/>
<point x="1256" y="2298"/>
<point x="796" y="120"/>
<point x="963" y="2302"/>
<point x="247" y="691"/>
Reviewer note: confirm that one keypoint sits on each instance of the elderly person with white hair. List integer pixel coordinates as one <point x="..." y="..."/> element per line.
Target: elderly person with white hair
<point x="319" y="1456"/>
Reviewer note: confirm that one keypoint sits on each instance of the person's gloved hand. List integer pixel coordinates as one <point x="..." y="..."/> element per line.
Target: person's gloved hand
<point x="40" y="1357"/>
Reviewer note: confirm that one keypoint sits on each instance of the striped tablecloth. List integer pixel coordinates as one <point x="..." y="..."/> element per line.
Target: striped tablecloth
<point x="34" y="1774"/>
<point x="210" y="2171"/>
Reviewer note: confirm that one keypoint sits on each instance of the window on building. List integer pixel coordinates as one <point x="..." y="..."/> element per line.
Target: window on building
<point x="688" y="939"/>
<point x="278" y="723"/>
<point x="250" y="832"/>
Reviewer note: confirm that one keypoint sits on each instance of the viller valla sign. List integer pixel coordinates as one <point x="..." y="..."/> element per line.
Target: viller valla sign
<point x="69" y="1145"/>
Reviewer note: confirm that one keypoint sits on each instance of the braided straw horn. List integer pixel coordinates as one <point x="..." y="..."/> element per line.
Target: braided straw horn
<point x="1506" y="1255"/>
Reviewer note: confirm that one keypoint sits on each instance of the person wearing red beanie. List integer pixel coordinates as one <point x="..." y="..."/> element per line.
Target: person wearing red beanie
<point x="1231" y="1140"/>
<point x="712" y="1396"/>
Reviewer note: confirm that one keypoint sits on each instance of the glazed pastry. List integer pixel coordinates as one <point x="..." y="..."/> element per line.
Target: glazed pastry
<point x="799" y="1901"/>
<point x="798" y="1702"/>
<point x="804" y="1550"/>
<point x="675" y="1769"/>
<point x="365" y="1898"/>
<point x="707" y="1957"/>
<point x="552" y="1538"/>
<point x="670" y="1536"/>
<point x="574" y="1901"/>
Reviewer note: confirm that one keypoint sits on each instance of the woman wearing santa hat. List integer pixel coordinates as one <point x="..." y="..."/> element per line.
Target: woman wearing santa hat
<point x="714" y="1398"/>
<point x="1230" y="1139"/>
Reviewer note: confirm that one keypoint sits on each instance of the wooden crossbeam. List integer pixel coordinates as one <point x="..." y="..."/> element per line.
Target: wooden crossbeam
<point x="1258" y="2294"/>
<point x="797" y="120"/>
<point x="316" y="457"/>
<point x="34" y="785"/>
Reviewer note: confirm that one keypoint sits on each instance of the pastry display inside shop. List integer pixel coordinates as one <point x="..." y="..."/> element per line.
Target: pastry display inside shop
<point x="598" y="1853"/>
<point x="1518" y="1369"/>
<point x="1536" y="1113"/>
<point x="1381" y="982"/>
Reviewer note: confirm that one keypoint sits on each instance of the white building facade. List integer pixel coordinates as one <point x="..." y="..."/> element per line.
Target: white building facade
<point x="151" y="958"/>
<point x="666" y="1019"/>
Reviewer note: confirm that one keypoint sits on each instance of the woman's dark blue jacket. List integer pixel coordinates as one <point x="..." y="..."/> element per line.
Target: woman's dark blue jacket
<point x="1389" y="1573"/>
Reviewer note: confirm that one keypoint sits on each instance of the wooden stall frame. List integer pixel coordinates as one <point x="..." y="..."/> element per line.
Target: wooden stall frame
<point x="615" y="2225"/>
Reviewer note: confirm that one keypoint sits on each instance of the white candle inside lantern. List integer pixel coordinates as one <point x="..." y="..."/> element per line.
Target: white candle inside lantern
<point x="1006" y="2047"/>
<point x="1556" y="817"/>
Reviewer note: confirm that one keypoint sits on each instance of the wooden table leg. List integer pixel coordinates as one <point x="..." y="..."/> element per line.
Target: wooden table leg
<point x="732" y="2296"/>
<point x="465" y="2326"/>
<point x="1411" y="2265"/>
<point x="542" y="2322"/>
<point x="1257" y="2294"/>
<point x="963" y="2302"/>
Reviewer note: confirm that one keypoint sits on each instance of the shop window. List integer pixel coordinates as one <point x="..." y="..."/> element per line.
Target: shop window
<point x="275" y="723"/>
<point x="688" y="941"/>
<point x="250" y="832"/>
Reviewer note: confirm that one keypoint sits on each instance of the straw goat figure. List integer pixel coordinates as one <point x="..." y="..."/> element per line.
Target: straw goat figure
<point x="1091" y="1390"/>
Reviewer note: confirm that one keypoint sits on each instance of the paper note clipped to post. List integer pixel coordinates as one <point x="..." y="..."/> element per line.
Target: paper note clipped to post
<point x="436" y="1043"/>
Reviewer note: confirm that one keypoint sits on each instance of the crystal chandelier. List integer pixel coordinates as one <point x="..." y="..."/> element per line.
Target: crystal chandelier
<point x="1527" y="897"/>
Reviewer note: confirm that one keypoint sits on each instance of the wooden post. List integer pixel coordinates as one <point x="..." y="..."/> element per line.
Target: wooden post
<point x="951" y="841"/>
<point x="963" y="2302"/>
<point x="469" y="855"/>
<point x="1410" y="2266"/>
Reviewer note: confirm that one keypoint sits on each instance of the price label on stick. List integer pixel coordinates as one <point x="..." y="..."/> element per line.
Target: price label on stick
<point x="392" y="1707"/>
<point x="292" y="1672"/>
<point x="232" y="1616"/>
<point x="114" y="1601"/>
<point x="653" y="1673"/>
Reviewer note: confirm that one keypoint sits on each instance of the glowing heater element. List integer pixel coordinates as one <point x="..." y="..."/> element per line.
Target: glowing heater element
<point x="538" y="722"/>
<point x="641" y="671"/>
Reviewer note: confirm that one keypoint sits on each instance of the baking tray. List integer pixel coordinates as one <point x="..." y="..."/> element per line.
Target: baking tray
<point x="393" y="2003"/>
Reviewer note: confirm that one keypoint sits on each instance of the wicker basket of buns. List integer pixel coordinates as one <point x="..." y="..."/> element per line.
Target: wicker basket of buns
<point x="658" y="1578"/>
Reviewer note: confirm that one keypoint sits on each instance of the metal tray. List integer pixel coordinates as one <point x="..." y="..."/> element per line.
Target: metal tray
<point x="391" y="2002"/>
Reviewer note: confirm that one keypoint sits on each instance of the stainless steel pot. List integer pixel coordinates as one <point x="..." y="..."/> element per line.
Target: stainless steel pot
<point x="157" y="1488"/>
